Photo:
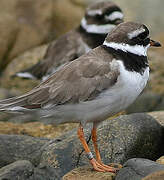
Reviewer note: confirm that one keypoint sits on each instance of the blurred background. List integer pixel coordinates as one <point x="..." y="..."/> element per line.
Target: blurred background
<point x="28" y="26"/>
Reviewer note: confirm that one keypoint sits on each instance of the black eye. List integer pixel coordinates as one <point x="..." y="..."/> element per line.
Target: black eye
<point x="143" y="35"/>
<point x="99" y="17"/>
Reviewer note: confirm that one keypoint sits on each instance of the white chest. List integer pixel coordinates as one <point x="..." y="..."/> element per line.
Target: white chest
<point x="128" y="86"/>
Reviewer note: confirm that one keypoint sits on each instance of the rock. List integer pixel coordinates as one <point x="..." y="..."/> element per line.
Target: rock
<point x="159" y="116"/>
<point x="17" y="170"/>
<point x="159" y="175"/>
<point x="147" y="102"/>
<point x="160" y="160"/>
<point x="137" y="168"/>
<point x="119" y="139"/>
<point x="83" y="173"/>
<point x="137" y="135"/>
<point x="25" y="170"/>
<point x="25" y="24"/>
<point x="15" y="147"/>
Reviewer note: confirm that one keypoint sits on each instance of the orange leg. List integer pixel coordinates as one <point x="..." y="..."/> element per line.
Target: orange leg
<point x="98" y="157"/>
<point x="96" y="165"/>
<point x="94" y="140"/>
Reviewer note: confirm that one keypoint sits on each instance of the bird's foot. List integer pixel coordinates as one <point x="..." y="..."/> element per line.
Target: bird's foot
<point x="100" y="167"/>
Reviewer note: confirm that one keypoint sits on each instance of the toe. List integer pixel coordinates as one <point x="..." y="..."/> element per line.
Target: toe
<point x="101" y="167"/>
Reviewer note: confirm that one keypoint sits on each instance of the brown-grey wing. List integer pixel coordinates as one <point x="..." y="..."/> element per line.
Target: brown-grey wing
<point x="80" y="80"/>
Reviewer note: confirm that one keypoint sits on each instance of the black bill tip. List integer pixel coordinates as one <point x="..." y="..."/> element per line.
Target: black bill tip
<point x="155" y="43"/>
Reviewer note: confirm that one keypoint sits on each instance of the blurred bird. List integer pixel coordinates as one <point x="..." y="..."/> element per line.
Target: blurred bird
<point x="93" y="87"/>
<point x="100" y="18"/>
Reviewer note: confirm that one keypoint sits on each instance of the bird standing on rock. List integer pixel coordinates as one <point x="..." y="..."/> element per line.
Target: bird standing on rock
<point x="100" y="18"/>
<point x="93" y="87"/>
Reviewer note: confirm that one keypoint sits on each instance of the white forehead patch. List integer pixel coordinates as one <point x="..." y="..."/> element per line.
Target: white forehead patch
<point x="135" y="33"/>
<point x="94" y="12"/>
<point x="139" y="50"/>
<point x="97" y="29"/>
<point x="115" y="15"/>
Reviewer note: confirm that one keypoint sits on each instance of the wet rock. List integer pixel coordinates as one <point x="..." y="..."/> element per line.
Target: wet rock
<point x="137" y="168"/>
<point x="25" y="24"/>
<point x="86" y="172"/>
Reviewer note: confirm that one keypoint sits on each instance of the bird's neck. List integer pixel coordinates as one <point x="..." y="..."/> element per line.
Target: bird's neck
<point x="91" y="39"/>
<point x="95" y="28"/>
<point x="133" y="59"/>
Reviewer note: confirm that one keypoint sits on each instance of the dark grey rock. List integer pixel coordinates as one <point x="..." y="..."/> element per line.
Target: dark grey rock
<point x="160" y="106"/>
<point x="17" y="147"/>
<point x="18" y="170"/>
<point x="137" y="168"/>
<point x="119" y="139"/>
<point x="24" y="170"/>
<point x="147" y="102"/>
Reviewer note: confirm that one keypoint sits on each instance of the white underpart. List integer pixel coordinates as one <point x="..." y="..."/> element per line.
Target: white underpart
<point x="94" y="12"/>
<point x="115" y="15"/>
<point x="97" y="29"/>
<point x="115" y="99"/>
<point x="135" y="33"/>
<point x="139" y="50"/>
<point x="25" y="75"/>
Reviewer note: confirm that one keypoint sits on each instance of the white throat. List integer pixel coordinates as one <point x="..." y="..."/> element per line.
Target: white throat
<point x="139" y="50"/>
<point x="97" y="29"/>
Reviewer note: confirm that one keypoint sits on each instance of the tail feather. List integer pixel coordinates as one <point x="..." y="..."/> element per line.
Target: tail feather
<point x="18" y="103"/>
<point x="12" y="103"/>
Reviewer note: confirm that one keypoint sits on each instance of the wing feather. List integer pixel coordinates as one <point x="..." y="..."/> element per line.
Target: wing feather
<point x="80" y="80"/>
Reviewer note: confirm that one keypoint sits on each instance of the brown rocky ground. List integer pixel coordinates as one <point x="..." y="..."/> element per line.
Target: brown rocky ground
<point x="35" y="129"/>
